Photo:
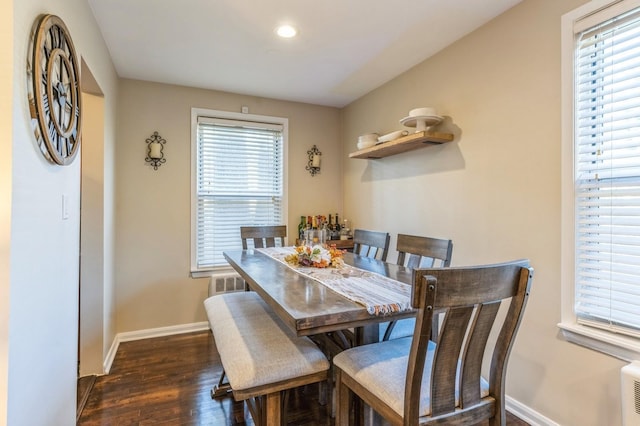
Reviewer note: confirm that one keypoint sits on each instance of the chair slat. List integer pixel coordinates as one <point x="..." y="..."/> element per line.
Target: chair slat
<point x="477" y="340"/>
<point x="445" y="363"/>
<point x="414" y="261"/>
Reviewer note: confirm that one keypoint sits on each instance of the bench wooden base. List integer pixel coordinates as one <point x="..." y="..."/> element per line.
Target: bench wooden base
<point x="261" y="357"/>
<point x="222" y="389"/>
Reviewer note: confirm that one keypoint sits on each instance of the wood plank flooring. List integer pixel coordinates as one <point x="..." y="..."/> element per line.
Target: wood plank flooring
<point x="167" y="380"/>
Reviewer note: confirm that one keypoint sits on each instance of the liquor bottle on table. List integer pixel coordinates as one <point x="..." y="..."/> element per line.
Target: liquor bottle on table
<point x="301" y="227"/>
<point x="336" y="229"/>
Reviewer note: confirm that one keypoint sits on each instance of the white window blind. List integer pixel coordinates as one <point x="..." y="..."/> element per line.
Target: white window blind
<point x="607" y="174"/>
<point x="239" y="183"/>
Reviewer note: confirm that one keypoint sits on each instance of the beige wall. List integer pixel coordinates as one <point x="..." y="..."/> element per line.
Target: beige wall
<point x="495" y="191"/>
<point x="92" y="237"/>
<point x="6" y="130"/>
<point x="153" y="206"/>
<point x="44" y="260"/>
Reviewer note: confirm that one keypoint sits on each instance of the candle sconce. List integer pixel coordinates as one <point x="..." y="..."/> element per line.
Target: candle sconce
<point x="155" y="150"/>
<point x="314" y="161"/>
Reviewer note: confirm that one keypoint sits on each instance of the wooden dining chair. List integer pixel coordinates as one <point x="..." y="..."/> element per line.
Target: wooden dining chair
<point x="372" y="244"/>
<point x="262" y="236"/>
<point x="414" y="380"/>
<point x="417" y="252"/>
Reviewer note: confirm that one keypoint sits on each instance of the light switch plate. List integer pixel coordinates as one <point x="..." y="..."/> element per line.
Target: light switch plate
<point x="65" y="207"/>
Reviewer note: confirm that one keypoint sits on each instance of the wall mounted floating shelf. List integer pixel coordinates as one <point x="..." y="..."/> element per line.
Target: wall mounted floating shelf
<point x="403" y="144"/>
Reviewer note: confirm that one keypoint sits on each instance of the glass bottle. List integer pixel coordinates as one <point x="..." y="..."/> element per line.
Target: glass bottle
<point x="301" y="226"/>
<point x="345" y="232"/>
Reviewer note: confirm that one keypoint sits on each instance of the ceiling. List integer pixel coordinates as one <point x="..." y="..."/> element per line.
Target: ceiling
<point x="344" y="48"/>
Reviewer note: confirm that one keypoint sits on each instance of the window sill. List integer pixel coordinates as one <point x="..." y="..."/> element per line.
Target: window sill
<point x="217" y="271"/>
<point x="616" y="345"/>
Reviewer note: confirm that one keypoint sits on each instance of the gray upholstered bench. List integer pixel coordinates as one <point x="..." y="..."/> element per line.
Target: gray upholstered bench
<point x="261" y="357"/>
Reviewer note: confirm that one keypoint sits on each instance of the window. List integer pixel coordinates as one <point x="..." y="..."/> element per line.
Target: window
<point x="601" y="177"/>
<point x="237" y="180"/>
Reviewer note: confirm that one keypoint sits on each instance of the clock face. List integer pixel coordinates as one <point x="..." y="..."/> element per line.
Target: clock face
<point x="54" y="90"/>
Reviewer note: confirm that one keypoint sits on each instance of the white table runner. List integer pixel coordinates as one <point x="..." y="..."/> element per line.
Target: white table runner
<point x="380" y="295"/>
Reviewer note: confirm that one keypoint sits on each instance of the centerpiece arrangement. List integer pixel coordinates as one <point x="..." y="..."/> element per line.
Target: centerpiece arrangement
<point x="317" y="256"/>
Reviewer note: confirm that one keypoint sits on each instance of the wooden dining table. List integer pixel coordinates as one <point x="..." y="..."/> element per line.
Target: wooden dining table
<point x="307" y="306"/>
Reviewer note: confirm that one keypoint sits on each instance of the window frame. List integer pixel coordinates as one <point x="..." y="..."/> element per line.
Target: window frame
<point x="614" y="344"/>
<point x="228" y="115"/>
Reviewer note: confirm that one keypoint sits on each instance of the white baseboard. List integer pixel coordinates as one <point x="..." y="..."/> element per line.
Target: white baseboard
<point x="149" y="333"/>
<point x="527" y="414"/>
<point x="111" y="355"/>
<point x="162" y="331"/>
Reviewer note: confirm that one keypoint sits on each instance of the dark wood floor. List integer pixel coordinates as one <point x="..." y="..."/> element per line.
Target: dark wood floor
<point x="166" y="381"/>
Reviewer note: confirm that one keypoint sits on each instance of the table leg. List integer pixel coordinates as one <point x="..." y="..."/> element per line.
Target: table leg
<point x="367" y="334"/>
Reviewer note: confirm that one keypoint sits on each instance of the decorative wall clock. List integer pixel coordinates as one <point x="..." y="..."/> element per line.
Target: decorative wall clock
<point x="53" y="79"/>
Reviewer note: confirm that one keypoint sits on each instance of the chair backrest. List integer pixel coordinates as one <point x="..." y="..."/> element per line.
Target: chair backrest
<point x="263" y="236"/>
<point x="470" y="298"/>
<point x="371" y="243"/>
<point x="415" y="252"/>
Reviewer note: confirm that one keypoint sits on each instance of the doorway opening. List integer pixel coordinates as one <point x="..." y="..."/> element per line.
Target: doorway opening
<point x="91" y="286"/>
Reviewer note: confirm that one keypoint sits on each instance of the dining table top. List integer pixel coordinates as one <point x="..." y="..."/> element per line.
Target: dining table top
<point x="307" y="306"/>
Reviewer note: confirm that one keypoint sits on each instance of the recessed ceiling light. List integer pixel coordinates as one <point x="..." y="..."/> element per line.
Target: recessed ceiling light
<point x="286" y="31"/>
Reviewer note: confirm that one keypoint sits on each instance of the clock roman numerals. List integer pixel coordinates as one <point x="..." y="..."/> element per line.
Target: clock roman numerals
<point x="53" y="136"/>
<point x="47" y="54"/>
<point x="56" y="36"/>
<point x="62" y="145"/>
<point x="45" y="105"/>
<point x="71" y="141"/>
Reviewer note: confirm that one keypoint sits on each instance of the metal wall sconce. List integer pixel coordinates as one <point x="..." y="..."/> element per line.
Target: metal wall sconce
<point x="314" y="161"/>
<point x="155" y="150"/>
